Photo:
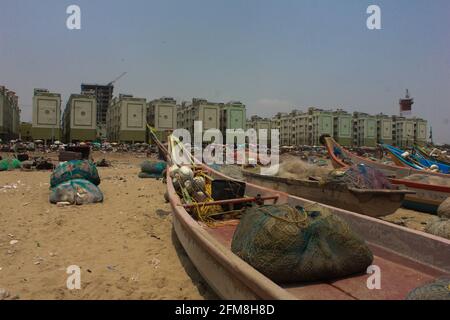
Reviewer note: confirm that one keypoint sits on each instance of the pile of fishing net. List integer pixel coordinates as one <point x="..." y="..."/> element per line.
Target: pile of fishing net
<point x="444" y="209"/>
<point x="360" y="176"/>
<point x="75" y="182"/>
<point x="437" y="290"/>
<point x="75" y="169"/>
<point x="152" y="169"/>
<point x="292" y="168"/>
<point x="440" y="226"/>
<point x="77" y="192"/>
<point x="9" y="164"/>
<point x="290" y="244"/>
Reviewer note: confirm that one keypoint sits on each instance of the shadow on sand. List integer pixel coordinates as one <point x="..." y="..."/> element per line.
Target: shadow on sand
<point x="203" y="287"/>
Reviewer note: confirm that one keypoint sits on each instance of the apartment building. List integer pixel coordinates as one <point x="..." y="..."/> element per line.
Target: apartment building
<point x="320" y="122"/>
<point x="343" y="127"/>
<point x="46" y="124"/>
<point x="402" y="132"/>
<point x="278" y="122"/>
<point x="80" y="119"/>
<point x="364" y="129"/>
<point x="126" y="119"/>
<point x="233" y="115"/>
<point x="162" y="117"/>
<point x="384" y="129"/>
<point x="258" y="123"/>
<point x="420" y="131"/>
<point x="9" y="114"/>
<point x="199" y="110"/>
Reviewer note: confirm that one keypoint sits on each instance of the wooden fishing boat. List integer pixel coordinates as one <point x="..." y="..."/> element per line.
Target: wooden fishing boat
<point x="439" y="156"/>
<point x="414" y="160"/>
<point x="370" y="202"/>
<point x="407" y="258"/>
<point x="427" y="197"/>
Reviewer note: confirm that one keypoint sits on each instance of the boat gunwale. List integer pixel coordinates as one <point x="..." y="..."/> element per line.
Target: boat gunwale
<point x="304" y="182"/>
<point x="260" y="284"/>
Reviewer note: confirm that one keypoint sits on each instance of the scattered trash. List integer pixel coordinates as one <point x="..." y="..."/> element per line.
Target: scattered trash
<point x="155" y="236"/>
<point x="155" y="263"/>
<point x="4" y="294"/>
<point x="13" y="242"/>
<point x="134" y="278"/>
<point x="63" y="204"/>
<point x="103" y="163"/>
<point x="111" y="268"/>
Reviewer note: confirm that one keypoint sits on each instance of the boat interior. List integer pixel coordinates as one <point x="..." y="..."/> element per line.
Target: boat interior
<point x="406" y="259"/>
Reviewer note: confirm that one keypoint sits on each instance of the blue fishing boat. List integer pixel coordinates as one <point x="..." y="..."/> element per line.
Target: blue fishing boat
<point x="414" y="160"/>
<point x="419" y="153"/>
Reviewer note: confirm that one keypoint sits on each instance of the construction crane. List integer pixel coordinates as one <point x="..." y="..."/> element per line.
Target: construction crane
<point x="112" y="82"/>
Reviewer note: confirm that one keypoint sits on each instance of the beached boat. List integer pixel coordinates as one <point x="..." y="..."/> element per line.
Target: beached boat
<point x="427" y="197"/>
<point x="433" y="154"/>
<point x="406" y="258"/>
<point x="414" y="160"/>
<point x="370" y="202"/>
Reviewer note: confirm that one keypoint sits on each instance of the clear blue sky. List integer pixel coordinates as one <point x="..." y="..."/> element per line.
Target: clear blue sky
<point x="271" y="55"/>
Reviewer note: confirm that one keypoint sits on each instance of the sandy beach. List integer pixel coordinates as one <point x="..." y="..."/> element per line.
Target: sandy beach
<point x="125" y="247"/>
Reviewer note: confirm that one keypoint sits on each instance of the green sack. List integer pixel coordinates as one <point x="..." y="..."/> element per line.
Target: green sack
<point x="75" y="169"/>
<point x="291" y="245"/>
<point x="9" y="164"/>
<point x="154" y="167"/>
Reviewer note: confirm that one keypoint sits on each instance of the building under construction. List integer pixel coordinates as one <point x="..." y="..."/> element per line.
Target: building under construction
<point x="103" y="95"/>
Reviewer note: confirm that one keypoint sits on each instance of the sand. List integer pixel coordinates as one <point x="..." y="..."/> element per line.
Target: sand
<point x="125" y="247"/>
<point x="411" y="219"/>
